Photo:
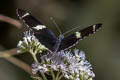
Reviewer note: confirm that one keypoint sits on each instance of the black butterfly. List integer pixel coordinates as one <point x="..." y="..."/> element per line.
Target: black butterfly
<point x="47" y="37"/>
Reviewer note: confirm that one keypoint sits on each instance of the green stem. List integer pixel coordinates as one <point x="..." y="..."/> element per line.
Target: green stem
<point x="43" y="75"/>
<point x="60" y="77"/>
<point x="57" y="76"/>
<point x="53" y="75"/>
<point x="35" y="59"/>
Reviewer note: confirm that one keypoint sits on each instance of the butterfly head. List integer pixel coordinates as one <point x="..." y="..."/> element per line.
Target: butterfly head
<point x="61" y="37"/>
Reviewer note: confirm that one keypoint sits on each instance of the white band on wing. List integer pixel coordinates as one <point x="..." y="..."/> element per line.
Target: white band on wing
<point x="38" y="27"/>
<point x="25" y="15"/>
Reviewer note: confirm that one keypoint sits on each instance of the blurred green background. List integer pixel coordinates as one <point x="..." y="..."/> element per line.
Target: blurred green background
<point x="102" y="49"/>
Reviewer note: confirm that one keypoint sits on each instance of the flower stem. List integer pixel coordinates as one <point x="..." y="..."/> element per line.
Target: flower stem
<point x="57" y="77"/>
<point x="53" y="75"/>
<point x="43" y="75"/>
<point x="35" y="59"/>
<point x="60" y="77"/>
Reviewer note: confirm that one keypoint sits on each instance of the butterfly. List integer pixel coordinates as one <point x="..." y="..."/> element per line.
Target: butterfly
<point x="48" y="38"/>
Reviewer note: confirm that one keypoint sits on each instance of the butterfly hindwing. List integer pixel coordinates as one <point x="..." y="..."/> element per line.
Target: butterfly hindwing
<point x="73" y="39"/>
<point x="43" y="34"/>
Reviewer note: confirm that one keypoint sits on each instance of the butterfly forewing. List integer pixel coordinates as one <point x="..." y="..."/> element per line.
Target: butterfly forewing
<point x="28" y="18"/>
<point x="71" y="40"/>
<point x="43" y="34"/>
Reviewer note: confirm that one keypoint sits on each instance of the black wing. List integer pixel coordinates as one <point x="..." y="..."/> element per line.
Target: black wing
<point x="43" y="34"/>
<point x="73" y="39"/>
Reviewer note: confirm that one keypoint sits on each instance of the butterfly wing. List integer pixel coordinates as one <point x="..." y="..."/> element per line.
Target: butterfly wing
<point x="43" y="34"/>
<point x="73" y="39"/>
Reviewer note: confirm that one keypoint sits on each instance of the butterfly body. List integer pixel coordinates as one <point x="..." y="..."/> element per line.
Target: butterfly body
<point x="60" y="37"/>
<point x="48" y="38"/>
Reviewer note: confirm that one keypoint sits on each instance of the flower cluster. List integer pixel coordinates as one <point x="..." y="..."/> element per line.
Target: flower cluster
<point x="67" y="64"/>
<point x="72" y="66"/>
<point x="30" y="42"/>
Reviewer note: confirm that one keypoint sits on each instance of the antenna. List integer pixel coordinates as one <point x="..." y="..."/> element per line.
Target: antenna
<point x="56" y="25"/>
<point x="71" y="30"/>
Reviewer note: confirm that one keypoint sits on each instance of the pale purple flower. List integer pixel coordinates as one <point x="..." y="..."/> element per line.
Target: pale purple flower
<point x="30" y="42"/>
<point x="71" y="65"/>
